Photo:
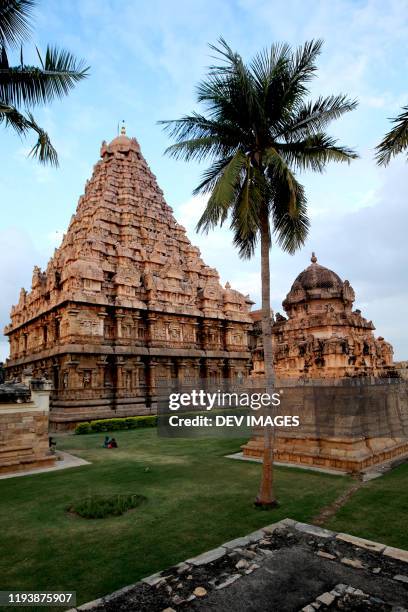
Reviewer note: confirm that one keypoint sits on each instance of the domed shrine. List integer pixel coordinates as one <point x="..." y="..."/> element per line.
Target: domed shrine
<point x="335" y="375"/>
<point x="322" y="336"/>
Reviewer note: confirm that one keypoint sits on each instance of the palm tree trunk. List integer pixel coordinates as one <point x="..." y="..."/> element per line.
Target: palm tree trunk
<point x="266" y="496"/>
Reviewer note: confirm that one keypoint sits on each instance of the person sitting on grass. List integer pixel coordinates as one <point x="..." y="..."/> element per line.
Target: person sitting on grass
<point x="113" y="443"/>
<point x="106" y="442"/>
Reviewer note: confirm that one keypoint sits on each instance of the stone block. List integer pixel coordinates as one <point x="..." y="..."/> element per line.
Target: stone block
<point x="90" y="605"/>
<point x="325" y="555"/>
<point x="314" y="530"/>
<point x="396" y="553"/>
<point x="230" y="580"/>
<point x="356" y="563"/>
<point x="237" y="543"/>
<point x="326" y="598"/>
<point x="208" y="557"/>
<point x="242" y="564"/>
<point x="361" y="542"/>
<point x="339" y="589"/>
<point x="153" y="579"/>
<point x="255" y="536"/>
<point x="283" y="524"/>
<point x="401" y="578"/>
<point x="182" y="567"/>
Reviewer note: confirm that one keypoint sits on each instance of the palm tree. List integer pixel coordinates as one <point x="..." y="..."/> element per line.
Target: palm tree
<point x="258" y="129"/>
<point x="23" y="87"/>
<point x="395" y="141"/>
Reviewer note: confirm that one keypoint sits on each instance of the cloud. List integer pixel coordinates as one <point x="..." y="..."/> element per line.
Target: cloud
<point x="18" y="256"/>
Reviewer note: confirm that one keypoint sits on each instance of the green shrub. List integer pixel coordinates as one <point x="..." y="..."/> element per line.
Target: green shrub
<point x="101" y="506"/>
<point x="116" y="424"/>
<point x="83" y="428"/>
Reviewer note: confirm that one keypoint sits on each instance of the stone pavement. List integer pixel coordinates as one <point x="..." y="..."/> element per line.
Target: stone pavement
<point x="66" y="461"/>
<point x="285" y="567"/>
<point x="370" y="473"/>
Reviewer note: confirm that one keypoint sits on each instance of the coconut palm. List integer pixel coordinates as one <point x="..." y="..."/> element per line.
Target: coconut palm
<point x="259" y="127"/>
<point x="24" y="86"/>
<point x="395" y="141"/>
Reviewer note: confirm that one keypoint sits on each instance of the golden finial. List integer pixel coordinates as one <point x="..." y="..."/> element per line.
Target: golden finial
<point x="123" y="128"/>
<point x="313" y="259"/>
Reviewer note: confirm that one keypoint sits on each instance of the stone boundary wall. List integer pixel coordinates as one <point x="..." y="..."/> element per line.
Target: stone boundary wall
<point x="348" y="426"/>
<point x="24" y="433"/>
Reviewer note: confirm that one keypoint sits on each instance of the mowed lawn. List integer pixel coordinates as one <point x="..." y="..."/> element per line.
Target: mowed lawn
<point x="196" y="499"/>
<point x="379" y="510"/>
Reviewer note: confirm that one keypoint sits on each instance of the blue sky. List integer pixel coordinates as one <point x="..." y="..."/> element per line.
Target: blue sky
<point x="146" y="58"/>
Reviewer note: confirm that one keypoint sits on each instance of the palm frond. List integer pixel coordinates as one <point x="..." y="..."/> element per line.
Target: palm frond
<point x="395" y="141"/>
<point x="198" y="126"/>
<point x="302" y="68"/>
<point x="245" y="216"/>
<point x="224" y="192"/>
<point x="269" y="63"/>
<point x="43" y="149"/>
<point x="15" y="21"/>
<point x="197" y="149"/>
<point x="211" y="175"/>
<point x="279" y="173"/>
<point x="304" y="60"/>
<point x="314" y="116"/>
<point x="3" y="58"/>
<point x="290" y="229"/>
<point x="314" y="153"/>
<point x="30" y="85"/>
<point x="12" y="118"/>
<point x="229" y="88"/>
<point x="230" y="59"/>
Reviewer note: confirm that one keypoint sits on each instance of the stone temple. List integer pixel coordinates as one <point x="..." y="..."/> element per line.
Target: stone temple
<point x="322" y="336"/>
<point x="125" y="303"/>
<point x="334" y="374"/>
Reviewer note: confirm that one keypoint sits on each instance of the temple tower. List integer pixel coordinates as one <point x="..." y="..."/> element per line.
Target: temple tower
<point x="126" y="302"/>
<point x="322" y="336"/>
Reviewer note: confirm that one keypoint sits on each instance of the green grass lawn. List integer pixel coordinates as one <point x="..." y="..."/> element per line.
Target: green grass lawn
<point x="378" y="511"/>
<point x="196" y="499"/>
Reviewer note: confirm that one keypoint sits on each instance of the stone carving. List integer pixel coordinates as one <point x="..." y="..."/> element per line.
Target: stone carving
<point x="322" y="337"/>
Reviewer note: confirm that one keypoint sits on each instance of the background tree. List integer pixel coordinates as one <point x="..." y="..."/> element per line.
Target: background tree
<point x="258" y="128"/>
<point x="23" y="87"/>
<point x="395" y="141"/>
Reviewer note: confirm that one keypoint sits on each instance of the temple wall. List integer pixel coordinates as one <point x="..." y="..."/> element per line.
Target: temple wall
<point x="345" y="425"/>
<point x="24" y="434"/>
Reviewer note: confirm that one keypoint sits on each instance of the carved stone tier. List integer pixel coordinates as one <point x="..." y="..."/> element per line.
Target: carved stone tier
<point x="322" y="336"/>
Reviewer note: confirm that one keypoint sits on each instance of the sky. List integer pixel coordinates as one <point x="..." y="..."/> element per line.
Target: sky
<point x="146" y="58"/>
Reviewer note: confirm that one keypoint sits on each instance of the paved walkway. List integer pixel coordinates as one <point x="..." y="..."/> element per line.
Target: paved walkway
<point x="242" y="457"/>
<point x="374" y="471"/>
<point x="66" y="461"/>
